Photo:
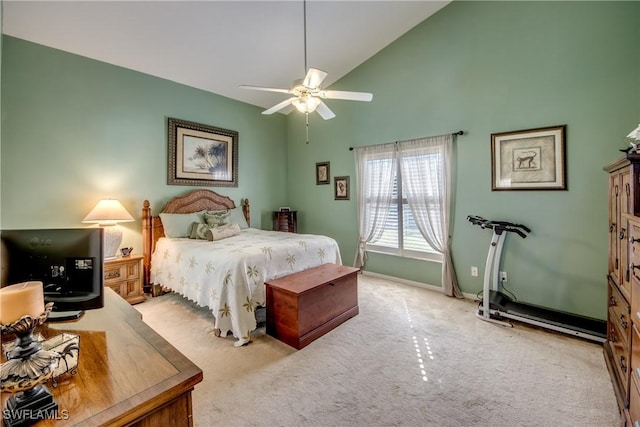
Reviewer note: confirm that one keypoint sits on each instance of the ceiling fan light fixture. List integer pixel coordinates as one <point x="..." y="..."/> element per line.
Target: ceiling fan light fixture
<point x="306" y="104"/>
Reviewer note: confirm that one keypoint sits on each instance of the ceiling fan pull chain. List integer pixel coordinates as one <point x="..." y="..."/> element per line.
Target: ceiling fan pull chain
<point x="307" y="125"/>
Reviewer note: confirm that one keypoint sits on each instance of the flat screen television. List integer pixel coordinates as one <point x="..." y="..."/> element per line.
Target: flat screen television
<point x="68" y="262"/>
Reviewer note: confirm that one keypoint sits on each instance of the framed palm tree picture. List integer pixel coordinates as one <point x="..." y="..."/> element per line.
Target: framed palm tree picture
<point x="201" y="155"/>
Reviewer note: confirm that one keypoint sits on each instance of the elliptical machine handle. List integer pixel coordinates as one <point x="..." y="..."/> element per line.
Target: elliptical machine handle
<point x="520" y="233"/>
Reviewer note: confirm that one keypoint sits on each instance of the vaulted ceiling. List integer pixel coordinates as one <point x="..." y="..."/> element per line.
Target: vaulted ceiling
<point x="219" y="45"/>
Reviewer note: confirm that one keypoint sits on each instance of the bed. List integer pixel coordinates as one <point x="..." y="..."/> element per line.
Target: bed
<point x="225" y="275"/>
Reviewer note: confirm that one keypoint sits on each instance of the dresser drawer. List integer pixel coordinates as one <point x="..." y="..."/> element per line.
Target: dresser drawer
<point x="620" y="354"/>
<point x="124" y="276"/>
<point x="619" y="313"/>
<point x="118" y="273"/>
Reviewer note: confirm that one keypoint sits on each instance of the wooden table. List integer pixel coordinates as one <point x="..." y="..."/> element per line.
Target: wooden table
<point x="127" y="373"/>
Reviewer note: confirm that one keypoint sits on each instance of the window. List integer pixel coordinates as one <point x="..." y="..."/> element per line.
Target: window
<point x="404" y="197"/>
<point x="399" y="235"/>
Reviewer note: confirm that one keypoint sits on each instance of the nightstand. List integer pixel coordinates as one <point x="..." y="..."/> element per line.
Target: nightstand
<point x="285" y="221"/>
<point x="124" y="275"/>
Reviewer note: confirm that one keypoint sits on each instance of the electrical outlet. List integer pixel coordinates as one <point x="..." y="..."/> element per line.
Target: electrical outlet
<point x="503" y="276"/>
<point x="474" y="271"/>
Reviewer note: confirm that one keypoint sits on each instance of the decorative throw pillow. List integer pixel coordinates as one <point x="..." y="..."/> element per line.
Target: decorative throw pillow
<point x="179" y="225"/>
<point x="222" y="232"/>
<point x="194" y="230"/>
<point x="217" y="218"/>
<point x="199" y="230"/>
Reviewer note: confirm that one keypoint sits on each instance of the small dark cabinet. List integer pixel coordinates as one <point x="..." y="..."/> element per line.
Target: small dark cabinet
<point x="285" y="221"/>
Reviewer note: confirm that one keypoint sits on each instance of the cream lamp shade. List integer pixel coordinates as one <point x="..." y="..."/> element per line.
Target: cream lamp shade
<point x="108" y="213"/>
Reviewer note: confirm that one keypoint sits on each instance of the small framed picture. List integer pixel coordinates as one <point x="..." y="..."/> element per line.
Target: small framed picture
<point x="322" y="173"/>
<point x="341" y="187"/>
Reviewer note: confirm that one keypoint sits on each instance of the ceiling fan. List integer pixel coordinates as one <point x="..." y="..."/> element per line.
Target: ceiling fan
<point x="307" y="93"/>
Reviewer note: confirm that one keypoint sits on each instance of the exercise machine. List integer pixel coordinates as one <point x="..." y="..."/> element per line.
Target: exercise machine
<point x="497" y="307"/>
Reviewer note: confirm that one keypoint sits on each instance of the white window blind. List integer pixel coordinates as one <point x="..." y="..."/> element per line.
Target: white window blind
<point x="400" y="234"/>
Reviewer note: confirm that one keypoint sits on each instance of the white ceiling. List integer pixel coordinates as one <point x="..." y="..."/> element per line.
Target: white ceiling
<point x="218" y="45"/>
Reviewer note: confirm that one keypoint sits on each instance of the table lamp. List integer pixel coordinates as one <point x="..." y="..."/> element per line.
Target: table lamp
<point x="107" y="214"/>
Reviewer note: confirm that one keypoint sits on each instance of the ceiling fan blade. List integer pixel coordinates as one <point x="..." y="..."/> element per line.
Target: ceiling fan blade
<point x="268" y="89"/>
<point x="314" y="78"/>
<point x="349" y="96"/>
<point x="279" y="106"/>
<point x="324" y="111"/>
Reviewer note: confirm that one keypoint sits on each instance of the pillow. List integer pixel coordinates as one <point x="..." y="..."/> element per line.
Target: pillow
<point x="179" y="225"/>
<point x="217" y="218"/>
<point x="199" y="230"/>
<point x="222" y="232"/>
<point x="237" y="217"/>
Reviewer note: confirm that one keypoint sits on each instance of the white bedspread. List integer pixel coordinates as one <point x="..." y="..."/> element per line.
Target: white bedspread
<point x="228" y="275"/>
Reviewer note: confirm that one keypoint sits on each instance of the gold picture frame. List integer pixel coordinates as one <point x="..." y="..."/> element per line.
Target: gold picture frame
<point x="531" y="159"/>
<point x="201" y="155"/>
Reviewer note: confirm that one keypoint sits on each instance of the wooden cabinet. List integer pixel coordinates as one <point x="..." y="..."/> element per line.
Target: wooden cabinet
<point x="306" y="305"/>
<point x="128" y="375"/>
<point x="285" y="221"/>
<point x="124" y="276"/>
<point x="622" y="347"/>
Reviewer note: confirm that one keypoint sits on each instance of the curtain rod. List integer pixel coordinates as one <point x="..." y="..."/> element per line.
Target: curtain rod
<point x="453" y="134"/>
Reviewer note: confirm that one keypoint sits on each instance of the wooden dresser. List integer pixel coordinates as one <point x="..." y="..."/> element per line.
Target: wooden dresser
<point x="127" y="373"/>
<point x="124" y="276"/>
<point x="622" y="348"/>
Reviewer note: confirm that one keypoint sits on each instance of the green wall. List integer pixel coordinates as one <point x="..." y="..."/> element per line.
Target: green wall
<point x="75" y="130"/>
<point x="485" y="67"/>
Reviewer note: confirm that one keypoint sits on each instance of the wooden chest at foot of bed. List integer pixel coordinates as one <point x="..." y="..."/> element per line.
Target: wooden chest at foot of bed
<point x="306" y="305"/>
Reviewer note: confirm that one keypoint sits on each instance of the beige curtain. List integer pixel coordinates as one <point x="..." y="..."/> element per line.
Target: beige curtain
<point x="375" y="173"/>
<point x="425" y="167"/>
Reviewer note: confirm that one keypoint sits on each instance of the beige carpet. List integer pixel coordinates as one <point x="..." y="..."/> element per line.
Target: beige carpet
<point x="412" y="357"/>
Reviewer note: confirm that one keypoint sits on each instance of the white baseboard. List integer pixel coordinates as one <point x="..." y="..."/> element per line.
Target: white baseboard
<point x="414" y="283"/>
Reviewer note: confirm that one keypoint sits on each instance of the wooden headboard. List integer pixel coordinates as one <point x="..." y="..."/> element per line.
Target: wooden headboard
<point x="194" y="201"/>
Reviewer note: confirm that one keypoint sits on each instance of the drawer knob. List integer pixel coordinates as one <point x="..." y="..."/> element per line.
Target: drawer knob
<point x="612" y="227"/>
<point x="623" y="364"/>
<point x="623" y="233"/>
<point x="612" y="301"/>
<point x="633" y="240"/>
<point x="623" y="322"/>
<point x="612" y="335"/>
